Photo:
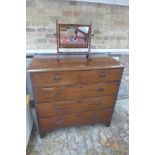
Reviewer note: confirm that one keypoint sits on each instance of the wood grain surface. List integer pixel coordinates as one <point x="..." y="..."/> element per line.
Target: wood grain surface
<point x="74" y="91"/>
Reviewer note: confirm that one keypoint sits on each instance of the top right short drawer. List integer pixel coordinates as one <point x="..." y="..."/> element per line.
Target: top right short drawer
<point x="105" y="75"/>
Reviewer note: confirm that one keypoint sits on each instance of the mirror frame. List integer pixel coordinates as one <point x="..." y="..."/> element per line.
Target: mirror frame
<point x="59" y="45"/>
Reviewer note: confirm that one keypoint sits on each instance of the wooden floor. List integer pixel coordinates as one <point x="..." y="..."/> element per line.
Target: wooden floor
<point x="89" y="139"/>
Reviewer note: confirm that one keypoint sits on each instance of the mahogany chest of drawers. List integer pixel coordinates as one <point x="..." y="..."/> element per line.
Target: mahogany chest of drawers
<point x="74" y="91"/>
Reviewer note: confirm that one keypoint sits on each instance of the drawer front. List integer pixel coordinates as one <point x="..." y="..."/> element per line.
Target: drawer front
<point x="49" y="123"/>
<point x="75" y="92"/>
<point x="71" y="107"/>
<point x="95" y="76"/>
<point x="50" y="79"/>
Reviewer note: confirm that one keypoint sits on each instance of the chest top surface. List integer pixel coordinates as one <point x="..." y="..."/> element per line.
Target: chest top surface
<point x="49" y="63"/>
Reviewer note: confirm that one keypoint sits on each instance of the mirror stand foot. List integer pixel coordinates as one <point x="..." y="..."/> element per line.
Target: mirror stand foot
<point x="88" y="57"/>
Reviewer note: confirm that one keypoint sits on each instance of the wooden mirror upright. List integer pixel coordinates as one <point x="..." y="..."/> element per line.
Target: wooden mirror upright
<point x="73" y="36"/>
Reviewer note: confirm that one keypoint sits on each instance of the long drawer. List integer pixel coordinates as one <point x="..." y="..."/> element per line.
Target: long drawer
<point x="49" y="123"/>
<point x="75" y="92"/>
<point x="50" y="79"/>
<point x="74" y="106"/>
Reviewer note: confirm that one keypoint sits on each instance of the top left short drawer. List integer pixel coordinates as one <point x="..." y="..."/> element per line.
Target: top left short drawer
<point x="49" y="79"/>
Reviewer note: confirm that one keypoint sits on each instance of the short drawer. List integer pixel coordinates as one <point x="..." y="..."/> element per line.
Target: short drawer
<point x="95" y="76"/>
<point x="75" y="92"/>
<point x="49" y="123"/>
<point x="50" y="79"/>
<point x="71" y="107"/>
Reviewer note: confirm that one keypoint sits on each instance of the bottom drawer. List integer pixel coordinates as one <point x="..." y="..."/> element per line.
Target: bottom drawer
<point x="48" y="123"/>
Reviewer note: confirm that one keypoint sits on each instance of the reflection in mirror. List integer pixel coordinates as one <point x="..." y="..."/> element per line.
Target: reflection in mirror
<point x="74" y="36"/>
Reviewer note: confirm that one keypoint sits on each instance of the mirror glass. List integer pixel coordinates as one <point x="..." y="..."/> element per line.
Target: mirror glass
<point x="73" y="36"/>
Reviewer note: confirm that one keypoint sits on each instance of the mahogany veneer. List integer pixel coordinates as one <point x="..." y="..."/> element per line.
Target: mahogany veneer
<point x="74" y="91"/>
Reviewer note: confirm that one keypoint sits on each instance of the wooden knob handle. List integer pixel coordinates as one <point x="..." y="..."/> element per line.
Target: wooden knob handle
<point x="102" y="75"/>
<point x="98" y="103"/>
<point x="79" y="101"/>
<point x="100" y="89"/>
<point x="58" y="93"/>
<point x="57" y="78"/>
<point x="58" y="108"/>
